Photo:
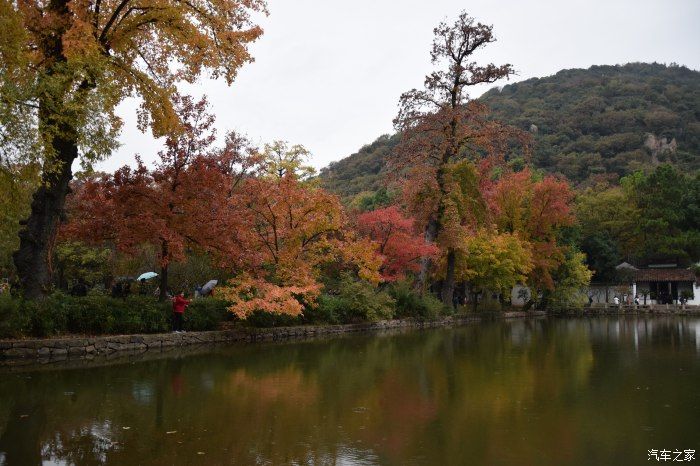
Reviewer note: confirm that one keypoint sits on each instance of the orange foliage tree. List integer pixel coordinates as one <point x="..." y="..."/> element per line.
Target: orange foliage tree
<point x="536" y="210"/>
<point x="296" y="229"/>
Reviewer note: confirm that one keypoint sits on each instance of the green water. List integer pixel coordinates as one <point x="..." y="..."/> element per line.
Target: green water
<point x="538" y="392"/>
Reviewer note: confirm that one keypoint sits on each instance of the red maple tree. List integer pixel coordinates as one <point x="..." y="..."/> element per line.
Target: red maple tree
<point x="188" y="200"/>
<point x="396" y="241"/>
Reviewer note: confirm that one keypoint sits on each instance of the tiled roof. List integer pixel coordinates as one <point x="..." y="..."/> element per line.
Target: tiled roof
<point x="664" y="275"/>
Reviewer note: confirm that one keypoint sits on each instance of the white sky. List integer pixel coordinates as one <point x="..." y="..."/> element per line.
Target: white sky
<point x="328" y="73"/>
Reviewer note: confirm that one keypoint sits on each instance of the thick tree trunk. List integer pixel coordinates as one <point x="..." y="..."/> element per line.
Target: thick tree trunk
<point x="163" y="271"/>
<point x="31" y="259"/>
<point x="448" y="284"/>
<point x="425" y="262"/>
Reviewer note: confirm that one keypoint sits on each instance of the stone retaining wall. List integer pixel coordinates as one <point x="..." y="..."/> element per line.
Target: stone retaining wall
<point x="90" y="347"/>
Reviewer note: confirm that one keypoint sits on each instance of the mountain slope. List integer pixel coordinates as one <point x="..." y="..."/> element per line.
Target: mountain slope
<point x="589" y="125"/>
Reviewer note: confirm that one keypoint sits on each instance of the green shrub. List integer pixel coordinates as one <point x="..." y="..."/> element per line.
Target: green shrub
<point x="489" y="305"/>
<point x="139" y="314"/>
<point x="31" y="318"/>
<point x="324" y="312"/>
<point x="205" y="314"/>
<point x="98" y="314"/>
<point x="155" y="317"/>
<point x="268" y="319"/>
<point x="47" y="317"/>
<point x="90" y="315"/>
<point x="356" y="301"/>
<point x="14" y="320"/>
<point x="409" y="303"/>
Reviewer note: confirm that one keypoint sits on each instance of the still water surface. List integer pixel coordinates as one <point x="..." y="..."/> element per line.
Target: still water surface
<point x="538" y="392"/>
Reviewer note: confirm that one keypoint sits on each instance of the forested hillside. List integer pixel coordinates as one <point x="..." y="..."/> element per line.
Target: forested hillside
<point x="589" y="125"/>
<point x="361" y="171"/>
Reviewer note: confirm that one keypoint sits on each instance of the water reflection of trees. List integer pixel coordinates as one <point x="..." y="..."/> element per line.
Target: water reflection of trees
<point x="437" y="397"/>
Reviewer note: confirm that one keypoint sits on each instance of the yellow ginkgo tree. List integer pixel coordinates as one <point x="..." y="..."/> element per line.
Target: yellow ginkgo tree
<point x="67" y="64"/>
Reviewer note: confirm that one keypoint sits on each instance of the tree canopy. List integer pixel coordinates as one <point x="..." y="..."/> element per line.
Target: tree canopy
<point x="68" y="64"/>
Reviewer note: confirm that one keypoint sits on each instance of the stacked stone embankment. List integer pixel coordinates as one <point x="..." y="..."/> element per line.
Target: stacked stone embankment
<point x="81" y="347"/>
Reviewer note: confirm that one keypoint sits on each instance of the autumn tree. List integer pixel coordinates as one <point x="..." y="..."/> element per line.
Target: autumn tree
<point x="537" y="210"/>
<point x="295" y="230"/>
<point x="17" y="183"/>
<point x="68" y="64"/>
<point x="440" y="125"/>
<point x="396" y="241"/>
<point x="188" y="200"/>
<point x="491" y="261"/>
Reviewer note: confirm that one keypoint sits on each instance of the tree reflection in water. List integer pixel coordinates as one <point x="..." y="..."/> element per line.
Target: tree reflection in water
<point x="523" y="392"/>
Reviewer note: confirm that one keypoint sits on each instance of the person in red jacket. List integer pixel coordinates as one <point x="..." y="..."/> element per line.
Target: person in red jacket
<point x="179" y="304"/>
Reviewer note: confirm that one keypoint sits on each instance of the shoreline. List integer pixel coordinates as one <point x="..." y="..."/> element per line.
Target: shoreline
<point x="49" y="350"/>
<point x="106" y="348"/>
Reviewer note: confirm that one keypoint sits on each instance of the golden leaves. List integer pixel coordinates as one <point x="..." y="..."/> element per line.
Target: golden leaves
<point x="116" y="48"/>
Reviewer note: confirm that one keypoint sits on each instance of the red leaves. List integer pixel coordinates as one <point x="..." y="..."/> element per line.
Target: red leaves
<point x="185" y="201"/>
<point x="395" y="240"/>
<point x="276" y="232"/>
<point x="535" y="208"/>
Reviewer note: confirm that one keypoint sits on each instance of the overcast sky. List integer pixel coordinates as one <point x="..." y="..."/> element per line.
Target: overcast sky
<point x="328" y="73"/>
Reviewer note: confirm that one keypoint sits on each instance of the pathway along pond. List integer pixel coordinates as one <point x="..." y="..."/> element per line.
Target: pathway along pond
<point x="527" y="392"/>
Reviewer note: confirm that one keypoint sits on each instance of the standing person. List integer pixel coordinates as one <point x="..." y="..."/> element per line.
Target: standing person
<point x="179" y="304"/>
<point x="143" y="289"/>
<point x="616" y="300"/>
<point x="126" y="289"/>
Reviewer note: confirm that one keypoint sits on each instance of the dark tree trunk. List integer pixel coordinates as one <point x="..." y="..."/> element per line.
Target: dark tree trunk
<point x="39" y="230"/>
<point x="425" y="262"/>
<point x="543" y="303"/>
<point x="164" y="271"/>
<point x="31" y="259"/>
<point x="448" y="284"/>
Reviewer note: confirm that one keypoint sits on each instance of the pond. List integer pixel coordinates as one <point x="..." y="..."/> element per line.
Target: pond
<point x="599" y="391"/>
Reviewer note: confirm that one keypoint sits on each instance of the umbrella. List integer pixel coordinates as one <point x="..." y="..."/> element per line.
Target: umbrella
<point x="146" y="276"/>
<point x="208" y="286"/>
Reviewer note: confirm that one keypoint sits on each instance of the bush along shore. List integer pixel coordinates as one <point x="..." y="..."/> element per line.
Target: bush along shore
<point x="97" y="314"/>
<point x="60" y="314"/>
<point x="62" y="326"/>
